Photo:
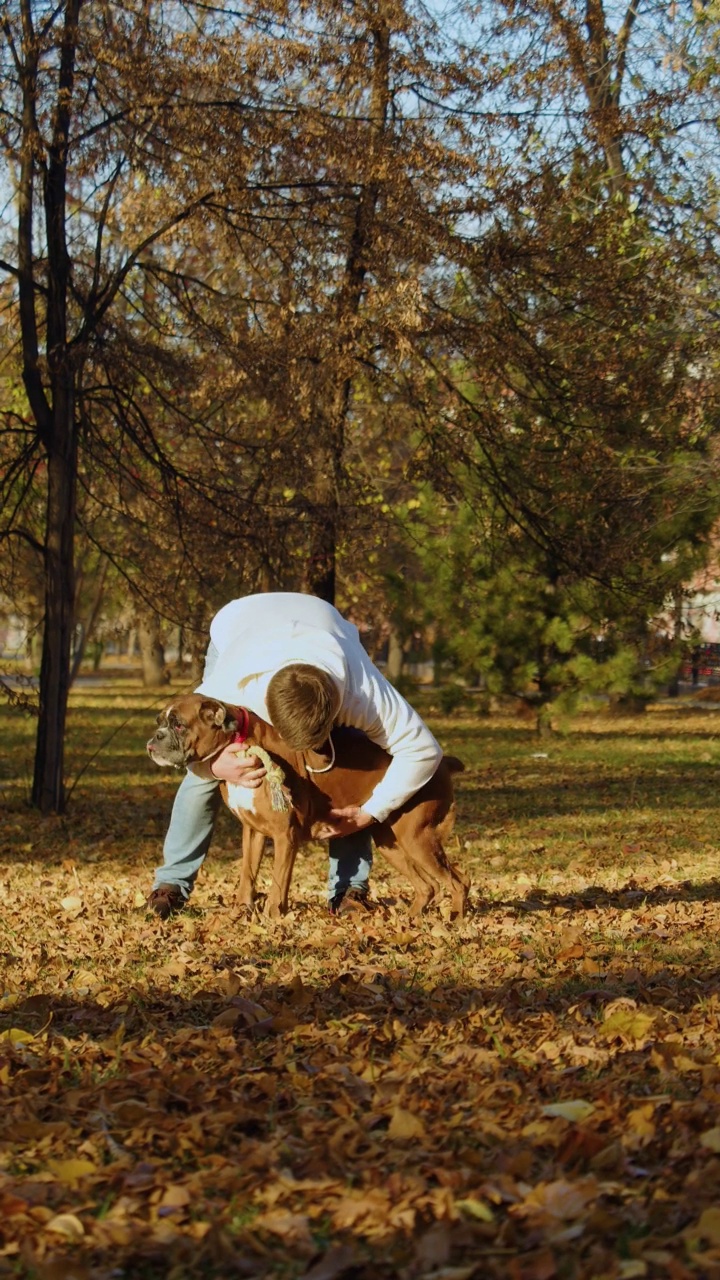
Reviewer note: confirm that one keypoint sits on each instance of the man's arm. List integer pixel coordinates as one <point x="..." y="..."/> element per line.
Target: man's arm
<point x="373" y="705"/>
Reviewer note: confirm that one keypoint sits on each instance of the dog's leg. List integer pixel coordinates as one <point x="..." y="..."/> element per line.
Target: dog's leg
<point x="253" y="845"/>
<point x="422" y="846"/>
<point x="459" y="892"/>
<point x="385" y="841"/>
<point x="429" y="851"/>
<point x="286" y="847"/>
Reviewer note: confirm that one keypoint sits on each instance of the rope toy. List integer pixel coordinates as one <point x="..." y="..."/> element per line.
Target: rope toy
<point x="275" y="778"/>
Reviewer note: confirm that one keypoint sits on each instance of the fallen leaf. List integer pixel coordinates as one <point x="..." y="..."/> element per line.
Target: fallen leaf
<point x="558" y="1201"/>
<point x="249" y="1010"/>
<point x="16" y="1035"/>
<point x="85" y="978"/>
<point x="627" y="1023"/>
<point x="550" y="1049"/>
<point x="711" y="1139"/>
<point x="198" y="1230"/>
<point x="404" y="1125"/>
<point x="682" y="1062"/>
<point x="227" y="1018"/>
<point x="70" y="1171"/>
<point x="292" y="1227"/>
<point x="575" y="1109"/>
<point x="66" y="1224"/>
<point x="571" y="953"/>
<point x="175" y="1197"/>
<point x="640" y="1124"/>
<point x="708" y="1227"/>
<point x="228" y="982"/>
<point x="476" y="1209"/>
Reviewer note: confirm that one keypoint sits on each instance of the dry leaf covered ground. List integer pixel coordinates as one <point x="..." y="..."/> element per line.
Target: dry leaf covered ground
<point x="532" y="1093"/>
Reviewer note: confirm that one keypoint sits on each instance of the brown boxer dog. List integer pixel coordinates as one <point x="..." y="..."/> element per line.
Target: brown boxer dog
<point x="193" y="730"/>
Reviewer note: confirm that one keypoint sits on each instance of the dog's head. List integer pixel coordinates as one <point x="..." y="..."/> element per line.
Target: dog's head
<point x="191" y="729"/>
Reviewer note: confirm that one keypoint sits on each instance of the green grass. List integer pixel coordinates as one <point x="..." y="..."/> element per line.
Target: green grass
<point x="596" y="887"/>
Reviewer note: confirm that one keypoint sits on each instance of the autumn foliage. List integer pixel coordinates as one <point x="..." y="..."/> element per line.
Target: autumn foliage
<point x="269" y="267"/>
<point x="530" y="1094"/>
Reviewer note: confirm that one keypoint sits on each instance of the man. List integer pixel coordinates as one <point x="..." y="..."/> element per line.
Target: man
<point x="297" y="663"/>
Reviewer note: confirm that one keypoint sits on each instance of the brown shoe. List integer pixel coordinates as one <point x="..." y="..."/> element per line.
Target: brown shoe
<point x="166" y="900"/>
<point x="351" y="903"/>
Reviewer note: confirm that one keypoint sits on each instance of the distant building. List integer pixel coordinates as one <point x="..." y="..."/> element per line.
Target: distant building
<point x="13" y="633"/>
<point x="701" y="609"/>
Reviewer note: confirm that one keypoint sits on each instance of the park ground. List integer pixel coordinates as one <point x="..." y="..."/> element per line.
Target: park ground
<point x="531" y="1093"/>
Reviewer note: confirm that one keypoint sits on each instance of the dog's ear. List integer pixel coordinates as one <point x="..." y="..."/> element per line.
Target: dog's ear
<point x="213" y="713"/>
<point x="217" y="715"/>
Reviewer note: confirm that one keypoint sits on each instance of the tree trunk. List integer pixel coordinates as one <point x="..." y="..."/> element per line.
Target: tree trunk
<point x="678" y="602"/>
<point x="87" y="625"/>
<point x="547" y="655"/>
<point x="543" y="722"/>
<point x="54" y="413"/>
<point x="601" y="70"/>
<point x="48" y="790"/>
<point x="395" y="658"/>
<point x="197" y="663"/>
<point x="180" y="650"/>
<point x="34" y="647"/>
<point x="337" y="375"/>
<point x="152" y="653"/>
<point x="321" y="573"/>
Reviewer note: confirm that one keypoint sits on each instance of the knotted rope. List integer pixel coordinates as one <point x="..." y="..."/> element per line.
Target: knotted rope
<point x="274" y="777"/>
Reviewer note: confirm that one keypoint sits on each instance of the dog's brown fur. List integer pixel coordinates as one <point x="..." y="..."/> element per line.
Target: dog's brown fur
<point x="411" y="837"/>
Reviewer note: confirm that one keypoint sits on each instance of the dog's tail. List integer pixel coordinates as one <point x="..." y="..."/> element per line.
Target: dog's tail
<point x="454" y="764"/>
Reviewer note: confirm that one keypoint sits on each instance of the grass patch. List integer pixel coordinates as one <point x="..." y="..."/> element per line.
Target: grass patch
<point x="215" y="1097"/>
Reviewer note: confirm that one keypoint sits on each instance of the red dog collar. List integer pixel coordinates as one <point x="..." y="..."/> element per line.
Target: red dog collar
<point x="242" y="732"/>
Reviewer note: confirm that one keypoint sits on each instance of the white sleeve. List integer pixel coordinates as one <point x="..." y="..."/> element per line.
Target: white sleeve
<point x="373" y="705"/>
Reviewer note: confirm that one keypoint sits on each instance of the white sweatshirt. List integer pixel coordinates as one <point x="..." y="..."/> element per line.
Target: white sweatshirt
<point x="257" y="635"/>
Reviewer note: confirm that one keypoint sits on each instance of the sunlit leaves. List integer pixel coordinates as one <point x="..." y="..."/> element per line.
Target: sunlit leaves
<point x="529" y="1089"/>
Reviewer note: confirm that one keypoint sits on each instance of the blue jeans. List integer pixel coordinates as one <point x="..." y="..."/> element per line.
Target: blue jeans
<point x="191" y="827"/>
<point x="190" y="832"/>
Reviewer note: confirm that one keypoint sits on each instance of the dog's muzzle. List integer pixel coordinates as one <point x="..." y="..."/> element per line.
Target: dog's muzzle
<point x="166" y="748"/>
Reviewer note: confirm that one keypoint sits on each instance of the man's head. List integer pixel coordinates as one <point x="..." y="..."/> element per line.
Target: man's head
<point x="302" y="702"/>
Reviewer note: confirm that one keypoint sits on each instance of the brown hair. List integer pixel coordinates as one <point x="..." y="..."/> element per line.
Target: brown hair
<point x="303" y="702"/>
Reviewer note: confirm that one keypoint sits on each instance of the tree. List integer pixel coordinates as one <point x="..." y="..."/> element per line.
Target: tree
<point x="219" y="215"/>
<point x="573" y="362"/>
<point x="317" y="302"/>
<point x="576" y="454"/>
<point x="510" y="615"/>
<point x="69" y="127"/>
<point x="250" y="240"/>
<point x="109" y="113"/>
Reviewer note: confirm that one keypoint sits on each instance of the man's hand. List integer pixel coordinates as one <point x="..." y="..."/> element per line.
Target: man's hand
<point x="232" y="765"/>
<point x="344" y="822"/>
